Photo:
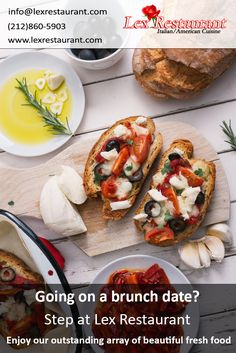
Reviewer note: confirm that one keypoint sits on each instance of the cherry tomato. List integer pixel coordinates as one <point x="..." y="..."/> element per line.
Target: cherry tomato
<point x="156" y="236"/>
<point x="141" y="147"/>
<point x="193" y="220"/>
<point x="171" y="195"/>
<point x="193" y="179"/>
<point x="120" y="161"/>
<point x="177" y="163"/>
<point x="132" y="132"/>
<point x="109" y="188"/>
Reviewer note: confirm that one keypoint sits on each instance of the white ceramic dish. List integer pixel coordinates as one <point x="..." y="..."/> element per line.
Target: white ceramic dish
<point x="100" y="64"/>
<point x="16" y="237"/>
<point x="39" y="60"/>
<point x="175" y="276"/>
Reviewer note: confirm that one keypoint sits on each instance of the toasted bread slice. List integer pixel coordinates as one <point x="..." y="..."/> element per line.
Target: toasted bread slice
<point x="94" y="190"/>
<point x="208" y="172"/>
<point x="9" y="260"/>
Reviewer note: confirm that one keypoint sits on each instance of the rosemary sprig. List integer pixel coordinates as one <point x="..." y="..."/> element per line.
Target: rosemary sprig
<point x="227" y="129"/>
<point x="51" y="120"/>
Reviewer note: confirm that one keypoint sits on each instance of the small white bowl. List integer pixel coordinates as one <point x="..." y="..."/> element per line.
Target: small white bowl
<point x="99" y="64"/>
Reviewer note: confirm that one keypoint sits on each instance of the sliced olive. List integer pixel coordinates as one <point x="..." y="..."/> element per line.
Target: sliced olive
<point x="113" y="144"/>
<point x="174" y="156"/>
<point x="152" y="209"/>
<point x="177" y="225"/>
<point x="7" y="274"/>
<point x="136" y="176"/>
<point x="200" y="198"/>
<point x="98" y="174"/>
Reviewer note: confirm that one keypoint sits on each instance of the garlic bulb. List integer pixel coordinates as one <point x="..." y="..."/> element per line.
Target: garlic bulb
<point x="71" y="184"/>
<point x="190" y="256"/>
<point x="215" y="247"/>
<point x="204" y="255"/>
<point x="57" y="212"/>
<point x="221" y="231"/>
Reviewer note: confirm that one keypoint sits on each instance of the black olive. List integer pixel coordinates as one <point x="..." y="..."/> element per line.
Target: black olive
<point x="97" y="172"/>
<point x="113" y="50"/>
<point x="148" y="209"/>
<point x="200" y="198"/>
<point x="76" y="51"/>
<point x="87" y="54"/>
<point x="174" y="156"/>
<point x="7" y="274"/>
<point x="113" y="144"/>
<point x="136" y="176"/>
<point x="102" y="53"/>
<point x="19" y="297"/>
<point x="177" y="225"/>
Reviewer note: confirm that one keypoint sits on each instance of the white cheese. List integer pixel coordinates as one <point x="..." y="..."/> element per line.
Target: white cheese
<point x="177" y="150"/>
<point x="195" y="211"/>
<point x="30" y="296"/>
<point x="191" y="194"/>
<point x="141" y="217"/>
<point x="158" y="178"/>
<point x="141" y="120"/>
<point x="106" y="168"/>
<point x="179" y="182"/>
<point x="170" y="207"/>
<point x="160" y="220"/>
<point x="140" y="130"/>
<point x="131" y="166"/>
<point x="156" y="195"/>
<point x="124" y="186"/>
<point x="121" y="130"/>
<point x="110" y="155"/>
<point x="5" y="306"/>
<point x="185" y="207"/>
<point x="120" y="205"/>
<point x="156" y="210"/>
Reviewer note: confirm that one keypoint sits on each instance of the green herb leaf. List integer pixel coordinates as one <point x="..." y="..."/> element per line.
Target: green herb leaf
<point x="160" y="226"/>
<point x="166" y="168"/>
<point x="97" y="178"/>
<point x="51" y="120"/>
<point x="228" y="131"/>
<point x="129" y="142"/>
<point x="179" y="192"/>
<point x="199" y="172"/>
<point x="11" y="203"/>
<point x="168" y="216"/>
<point x="129" y="168"/>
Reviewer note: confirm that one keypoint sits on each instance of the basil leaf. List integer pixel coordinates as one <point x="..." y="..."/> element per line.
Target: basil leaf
<point x="199" y="172"/>
<point x="166" y="168"/>
<point x="168" y="216"/>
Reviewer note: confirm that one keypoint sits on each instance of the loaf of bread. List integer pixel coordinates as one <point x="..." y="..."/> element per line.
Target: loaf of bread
<point x="178" y="198"/>
<point x="179" y="73"/>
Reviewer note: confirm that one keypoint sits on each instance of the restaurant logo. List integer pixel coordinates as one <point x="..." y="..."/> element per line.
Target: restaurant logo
<point x="154" y="20"/>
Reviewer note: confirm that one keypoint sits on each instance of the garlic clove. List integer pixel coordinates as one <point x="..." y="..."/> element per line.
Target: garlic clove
<point x="215" y="248"/>
<point x="55" y="81"/>
<point x="221" y="231"/>
<point x="40" y="83"/>
<point x="56" y="108"/>
<point x="204" y="256"/>
<point x="190" y="256"/>
<point x="71" y="184"/>
<point x="62" y="96"/>
<point x="49" y="98"/>
<point x="57" y="212"/>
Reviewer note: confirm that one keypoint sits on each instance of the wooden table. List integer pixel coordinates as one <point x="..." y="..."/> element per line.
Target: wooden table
<point x="113" y="94"/>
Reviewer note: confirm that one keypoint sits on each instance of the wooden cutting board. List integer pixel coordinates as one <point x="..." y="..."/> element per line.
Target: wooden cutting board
<point x="24" y="187"/>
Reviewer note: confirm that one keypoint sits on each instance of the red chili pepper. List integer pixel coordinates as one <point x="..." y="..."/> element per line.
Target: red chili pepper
<point x="54" y="252"/>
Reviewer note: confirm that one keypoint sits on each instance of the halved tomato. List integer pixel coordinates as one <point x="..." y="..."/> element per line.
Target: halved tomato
<point x="193" y="179"/>
<point x="109" y="188"/>
<point x="156" y="236"/>
<point x="120" y="161"/>
<point x="177" y="163"/>
<point x="141" y="147"/>
<point x="171" y="195"/>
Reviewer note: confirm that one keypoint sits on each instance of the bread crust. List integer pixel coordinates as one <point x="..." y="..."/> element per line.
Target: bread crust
<point x="179" y="73"/>
<point x="93" y="190"/>
<point x="208" y="186"/>
<point x="8" y="259"/>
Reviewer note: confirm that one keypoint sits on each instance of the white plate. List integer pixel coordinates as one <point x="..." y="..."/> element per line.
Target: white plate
<point x="39" y="60"/>
<point x="144" y="262"/>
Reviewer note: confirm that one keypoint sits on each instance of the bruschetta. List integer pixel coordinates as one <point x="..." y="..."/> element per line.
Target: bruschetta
<point x="119" y="163"/>
<point x="179" y="196"/>
<point x="20" y="314"/>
